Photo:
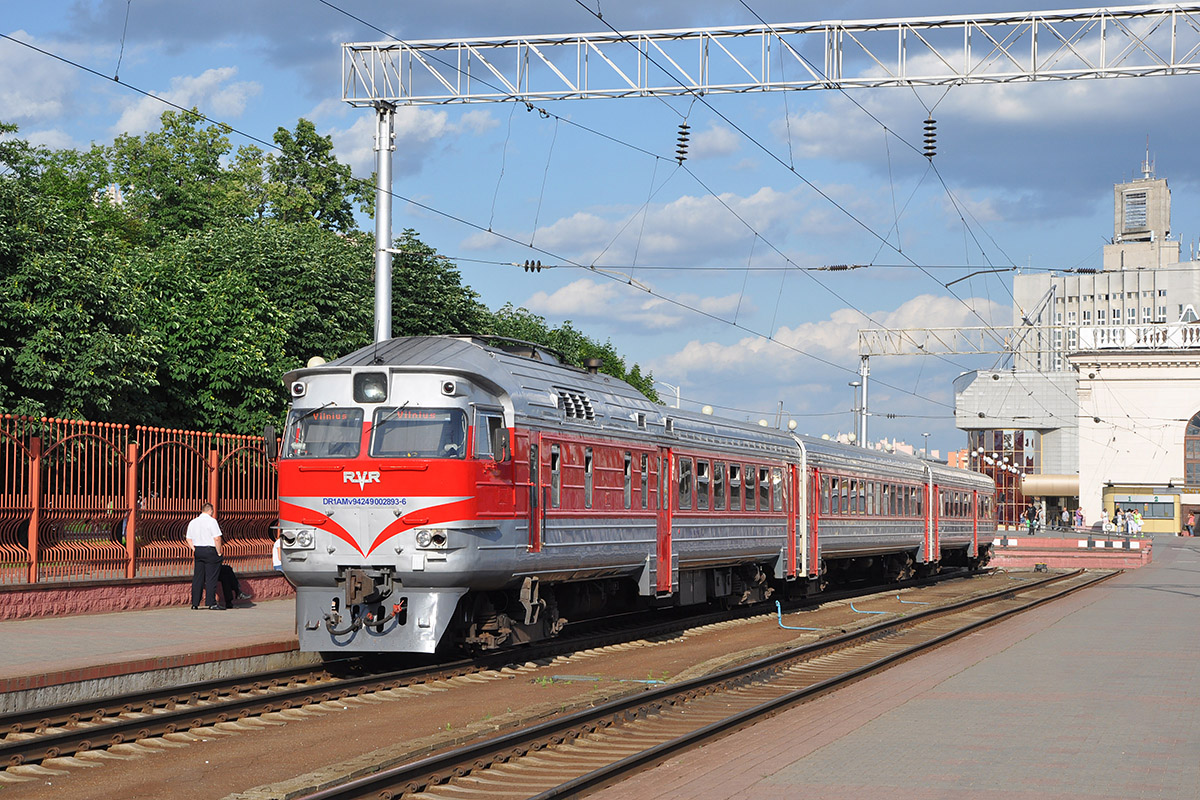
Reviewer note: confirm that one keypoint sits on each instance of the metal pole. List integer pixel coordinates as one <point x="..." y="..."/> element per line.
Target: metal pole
<point x="864" y="369"/>
<point x="854" y="421"/>
<point x="385" y="135"/>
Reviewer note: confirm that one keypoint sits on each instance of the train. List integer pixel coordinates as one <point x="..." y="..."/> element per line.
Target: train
<point x="475" y="492"/>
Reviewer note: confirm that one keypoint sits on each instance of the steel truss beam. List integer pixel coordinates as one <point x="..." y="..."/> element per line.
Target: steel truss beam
<point x="1129" y="41"/>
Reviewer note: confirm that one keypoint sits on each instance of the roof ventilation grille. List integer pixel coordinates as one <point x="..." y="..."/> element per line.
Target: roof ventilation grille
<point x="575" y="405"/>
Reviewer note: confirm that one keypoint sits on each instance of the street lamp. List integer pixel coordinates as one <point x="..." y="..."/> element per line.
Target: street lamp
<point x="674" y="387"/>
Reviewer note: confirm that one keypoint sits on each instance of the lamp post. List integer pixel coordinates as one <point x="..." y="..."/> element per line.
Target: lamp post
<point x="926" y="448"/>
<point x="674" y="387"/>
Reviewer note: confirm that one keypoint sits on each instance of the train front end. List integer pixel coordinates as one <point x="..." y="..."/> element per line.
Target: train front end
<point x="393" y="484"/>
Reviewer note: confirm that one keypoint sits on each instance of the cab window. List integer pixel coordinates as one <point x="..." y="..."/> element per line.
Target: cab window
<point x="323" y="433"/>
<point x="487" y="424"/>
<point x="419" y="433"/>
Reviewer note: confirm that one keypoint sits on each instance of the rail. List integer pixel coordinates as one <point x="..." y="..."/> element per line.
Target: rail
<point x="568" y="755"/>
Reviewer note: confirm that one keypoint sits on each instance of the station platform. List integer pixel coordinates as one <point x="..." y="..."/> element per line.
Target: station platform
<point x="59" y="659"/>
<point x="1094" y="696"/>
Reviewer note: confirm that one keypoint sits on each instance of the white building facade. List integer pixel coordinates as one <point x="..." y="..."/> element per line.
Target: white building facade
<point x="1103" y="389"/>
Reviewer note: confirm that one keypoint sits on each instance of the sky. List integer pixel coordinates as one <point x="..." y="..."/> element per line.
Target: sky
<point x="700" y="272"/>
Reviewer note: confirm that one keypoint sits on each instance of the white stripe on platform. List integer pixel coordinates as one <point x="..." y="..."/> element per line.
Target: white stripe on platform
<point x="1082" y="543"/>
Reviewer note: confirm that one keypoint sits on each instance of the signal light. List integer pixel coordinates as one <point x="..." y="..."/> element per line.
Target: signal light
<point x="930" y="137"/>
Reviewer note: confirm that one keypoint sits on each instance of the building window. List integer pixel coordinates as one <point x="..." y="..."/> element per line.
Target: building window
<point x="1101" y="314"/>
<point x="1087" y="317"/>
<point x="1191" y="452"/>
<point x="1146" y="315"/>
<point x="1162" y="292"/>
<point x="1135" y="211"/>
<point x="1162" y="313"/>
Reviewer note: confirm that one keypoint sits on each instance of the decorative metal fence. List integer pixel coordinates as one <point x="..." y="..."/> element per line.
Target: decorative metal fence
<point x="83" y="501"/>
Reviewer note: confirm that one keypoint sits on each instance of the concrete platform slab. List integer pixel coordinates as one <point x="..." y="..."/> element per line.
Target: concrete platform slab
<point x="1096" y="696"/>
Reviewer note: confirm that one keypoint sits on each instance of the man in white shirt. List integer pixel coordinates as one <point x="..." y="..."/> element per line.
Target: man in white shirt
<point x="204" y="537"/>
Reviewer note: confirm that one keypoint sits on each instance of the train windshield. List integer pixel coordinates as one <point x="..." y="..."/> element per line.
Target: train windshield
<point x="419" y="433"/>
<point x="325" y="432"/>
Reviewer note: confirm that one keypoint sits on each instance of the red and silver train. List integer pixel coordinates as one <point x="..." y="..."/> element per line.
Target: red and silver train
<point x="479" y="492"/>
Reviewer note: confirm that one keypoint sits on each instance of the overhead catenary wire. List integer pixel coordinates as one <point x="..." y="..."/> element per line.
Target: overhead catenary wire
<point x="482" y="229"/>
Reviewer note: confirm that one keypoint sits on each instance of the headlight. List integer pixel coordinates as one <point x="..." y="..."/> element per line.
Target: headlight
<point x="305" y="540"/>
<point x="370" y="387"/>
<point x="433" y="537"/>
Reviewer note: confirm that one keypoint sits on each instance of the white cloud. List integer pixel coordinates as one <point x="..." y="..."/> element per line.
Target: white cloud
<point x="833" y="339"/>
<point x="34" y="95"/>
<point x="691" y="229"/>
<point x="716" y="140"/>
<point x="52" y="138"/>
<point x="419" y="133"/>
<point x="610" y="301"/>
<point x="214" y="92"/>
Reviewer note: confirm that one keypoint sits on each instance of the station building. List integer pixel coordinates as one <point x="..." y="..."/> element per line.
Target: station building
<point x="1100" y="409"/>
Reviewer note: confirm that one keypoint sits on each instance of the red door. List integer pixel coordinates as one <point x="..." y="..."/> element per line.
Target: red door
<point x="792" y="507"/>
<point x="975" y="520"/>
<point x="535" y="492"/>
<point x="663" y="568"/>
<point x="814" y="508"/>
<point x="934" y="505"/>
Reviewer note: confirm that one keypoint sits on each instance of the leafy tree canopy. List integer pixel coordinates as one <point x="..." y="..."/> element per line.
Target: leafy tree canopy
<point x="168" y="280"/>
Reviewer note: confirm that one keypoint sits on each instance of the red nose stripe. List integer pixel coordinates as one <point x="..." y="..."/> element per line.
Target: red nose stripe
<point x="459" y="509"/>
<point x="302" y="514"/>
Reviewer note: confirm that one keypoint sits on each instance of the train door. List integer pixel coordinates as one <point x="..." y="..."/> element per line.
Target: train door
<point x="792" y="507"/>
<point x="535" y="493"/>
<point x="812" y="553"/>
<point x="662" y="569"/>
<point x="932" y="553"/>
<point x="974" y="523"/>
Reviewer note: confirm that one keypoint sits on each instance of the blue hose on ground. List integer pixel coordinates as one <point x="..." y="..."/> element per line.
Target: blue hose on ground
<point x="779" y="608"/>
<point x="852" y="608"/>
<point x="912" y="602"/>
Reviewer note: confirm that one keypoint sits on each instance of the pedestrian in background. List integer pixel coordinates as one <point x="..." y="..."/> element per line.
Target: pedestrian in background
<point x="204" y="537"/>
<point x="1191" y="529"/>
<point x="1066" y="519"/>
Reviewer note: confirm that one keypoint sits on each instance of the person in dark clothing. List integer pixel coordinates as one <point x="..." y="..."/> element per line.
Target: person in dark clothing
<point x="231" y="589"/>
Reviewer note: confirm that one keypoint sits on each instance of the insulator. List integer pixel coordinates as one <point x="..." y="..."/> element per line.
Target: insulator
<point x="930" y="137"/>
<point x="533" y="266"/>
<point x="681" y="147"/>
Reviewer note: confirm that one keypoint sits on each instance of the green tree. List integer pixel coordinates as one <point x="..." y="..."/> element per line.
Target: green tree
<point x="306" y="181"/>
<point x="172" y="178"/>
<point x="520" y="323"/>
<point x="72" y="343"/>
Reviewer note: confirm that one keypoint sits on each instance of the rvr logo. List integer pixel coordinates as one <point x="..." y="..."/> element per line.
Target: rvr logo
<point x="361" y="478"/>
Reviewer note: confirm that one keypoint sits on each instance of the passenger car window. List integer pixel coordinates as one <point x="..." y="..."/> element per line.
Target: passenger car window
<point x="685" y="483"/>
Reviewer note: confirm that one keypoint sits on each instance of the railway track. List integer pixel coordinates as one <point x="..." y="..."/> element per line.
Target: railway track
<point x="573" y="753"/>
<point x="55" y="736"/>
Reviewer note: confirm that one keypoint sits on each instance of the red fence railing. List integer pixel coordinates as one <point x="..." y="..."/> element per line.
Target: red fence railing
<point x="98" y="501"/>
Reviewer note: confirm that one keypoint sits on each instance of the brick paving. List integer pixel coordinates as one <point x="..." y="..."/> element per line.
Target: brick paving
<point x="1095" y="696"/>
